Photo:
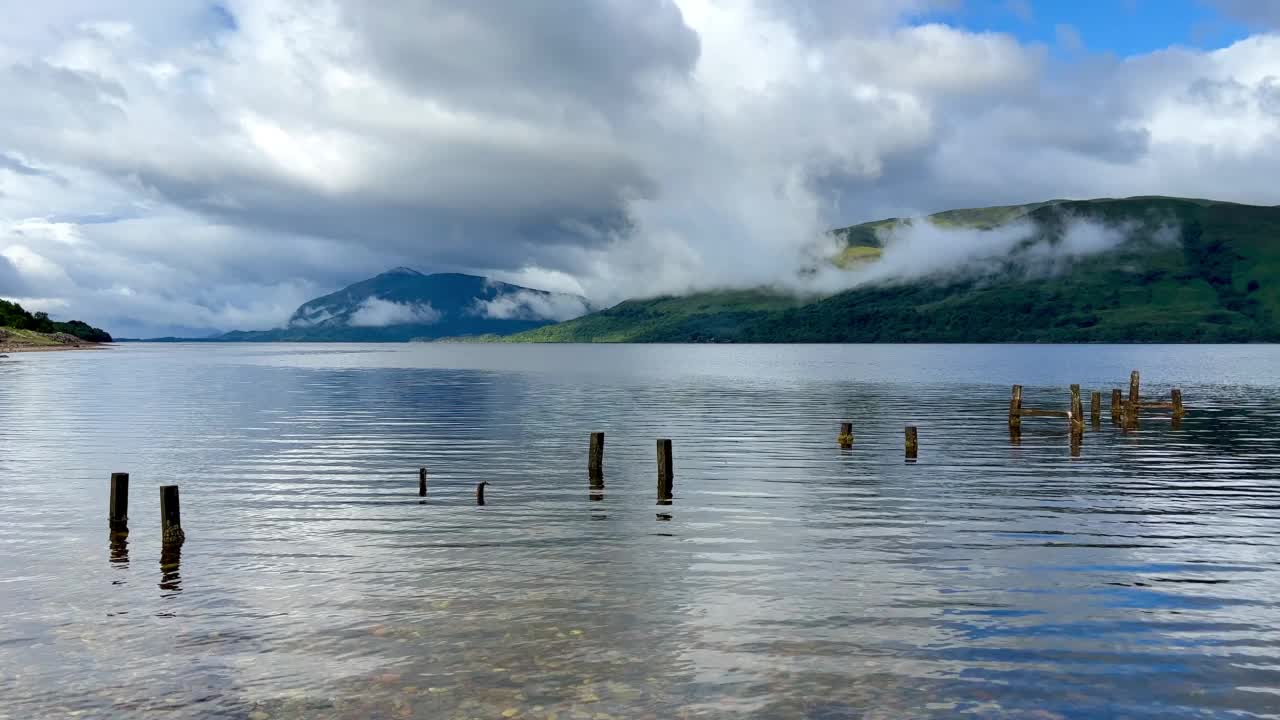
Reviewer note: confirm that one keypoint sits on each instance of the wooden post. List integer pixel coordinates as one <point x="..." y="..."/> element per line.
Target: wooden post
<point x="480" y="492"/>
<point x="422" y="482"/>
<point x="118" y="514"/>
<point x="1077" y="438"/>
<point x="1095" y="408"/>
<point x="845" y="438"/>
<point x="1178" y="410"/>
<point x="1131" y="412"/>
<point x="1015" y="409"/>
<point x="913" y="442"/>
<point x="1117" y="405"/>
<point x="666" y="471"/>
<point x="1134" y="387"/>
<point x="595" y="467"/>
<point x="170" y="516"/>
<point x="1077" y="409"/>
<point x="595" y="456"/>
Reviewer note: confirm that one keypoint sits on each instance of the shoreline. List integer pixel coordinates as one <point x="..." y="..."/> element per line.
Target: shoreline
<point x="12" y="349"/>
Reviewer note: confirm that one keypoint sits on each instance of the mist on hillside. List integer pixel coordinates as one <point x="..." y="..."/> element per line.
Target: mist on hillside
<point x="922" y="250"/>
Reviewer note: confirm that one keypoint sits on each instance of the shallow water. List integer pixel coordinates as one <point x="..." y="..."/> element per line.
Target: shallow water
<point x="788" y="578"/>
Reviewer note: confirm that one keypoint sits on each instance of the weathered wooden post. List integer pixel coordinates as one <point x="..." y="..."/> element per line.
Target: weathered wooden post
<point x="170" y="516"/>
<point x="1015" y="410"/>
<point x="1178" y="410"/>
<point x="595" y="456"/>
<point x="1135" y="401"/>
<point x="1095" y="408"/>
<point x="1077" y="439"/>
<point x="118" y="514"/>
<point x="845" y="438"/>
<point x="913" y="442"/>
<point x="422" y="482"/>
<point x="1117" y="405"/>
<point x="480" y="492"/>
<point x="666" y="471"/>
<point x="1077" y="410"/>
<point x="595" y="467"/>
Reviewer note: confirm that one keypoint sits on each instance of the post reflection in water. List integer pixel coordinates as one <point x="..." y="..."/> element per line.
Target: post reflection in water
<point x="998" y="577"/>
<point x="118" y="544"/>
<point x="170" y="561"/>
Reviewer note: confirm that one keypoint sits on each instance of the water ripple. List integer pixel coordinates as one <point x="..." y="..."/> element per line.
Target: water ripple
<point x="788" y="579"/>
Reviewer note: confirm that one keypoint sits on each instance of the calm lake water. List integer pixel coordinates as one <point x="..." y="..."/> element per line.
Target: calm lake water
<point x="788" y="579"/>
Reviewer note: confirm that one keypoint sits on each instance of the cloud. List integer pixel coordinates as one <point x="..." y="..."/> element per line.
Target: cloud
<point x="1069" y="37"/>
<point x="12" y="284"/>
<point x="376" y="312"/>
<point x="918" y="249"/>
<point x="527" y="305"/>
<point x="220" y="164"/>
<point x="16" y="165"/>
<point x="1260" y="13"/>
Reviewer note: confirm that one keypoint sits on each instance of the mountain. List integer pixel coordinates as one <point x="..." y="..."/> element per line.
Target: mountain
<point x="404" y="304"/>
<point x="1142" y="269"/>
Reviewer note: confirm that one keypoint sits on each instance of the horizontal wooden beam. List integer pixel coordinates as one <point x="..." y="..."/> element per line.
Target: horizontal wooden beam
<point x="1165" y="405"/>
<point x="1032" y="412"/>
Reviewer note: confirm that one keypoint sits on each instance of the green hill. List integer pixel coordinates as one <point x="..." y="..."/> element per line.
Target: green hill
<point x="1185" y="271"/>
<point x="13" y="315"/>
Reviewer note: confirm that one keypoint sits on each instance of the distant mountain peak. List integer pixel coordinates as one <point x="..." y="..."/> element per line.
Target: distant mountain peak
<point x="402" y="304"/>
<point x="402" y="270"/>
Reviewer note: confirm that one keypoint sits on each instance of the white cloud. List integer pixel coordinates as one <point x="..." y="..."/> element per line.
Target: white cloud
<point x="376" y="312"/>
<point x="918" y="249"/>
<point x="526" y="305"/>
<point x="32" y="265"/>
<point x="541" y="278"/>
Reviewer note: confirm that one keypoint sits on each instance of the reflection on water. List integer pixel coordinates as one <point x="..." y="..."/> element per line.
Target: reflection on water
<point x="118" y="543"/>
<point x="1121" y="573"/>
<point x="170" y="567"/>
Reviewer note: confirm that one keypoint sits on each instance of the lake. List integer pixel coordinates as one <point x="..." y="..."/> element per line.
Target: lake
<point x="788" y="578"/>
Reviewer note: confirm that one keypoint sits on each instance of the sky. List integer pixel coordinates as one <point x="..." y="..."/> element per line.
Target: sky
<point x="183" y="167"/>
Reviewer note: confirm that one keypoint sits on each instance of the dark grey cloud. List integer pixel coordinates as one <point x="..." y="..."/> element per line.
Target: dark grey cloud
<point x="12" y="283"/>
<point x="573" y="55"/>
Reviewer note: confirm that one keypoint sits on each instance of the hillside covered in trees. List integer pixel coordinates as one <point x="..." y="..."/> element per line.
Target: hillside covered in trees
<point x="1159" y="270"/>
<point x="13" y="315"/>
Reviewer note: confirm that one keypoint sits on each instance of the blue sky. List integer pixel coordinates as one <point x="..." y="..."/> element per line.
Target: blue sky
<point x="1122" y="27"/>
